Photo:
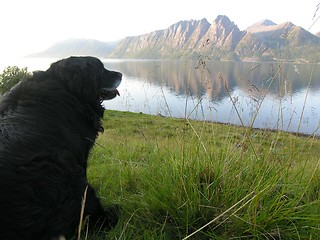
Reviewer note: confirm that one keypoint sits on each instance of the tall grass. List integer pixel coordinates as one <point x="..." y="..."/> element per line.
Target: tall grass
<point x="181" y="179"/>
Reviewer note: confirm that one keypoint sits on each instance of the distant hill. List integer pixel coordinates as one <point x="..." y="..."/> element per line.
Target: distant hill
<point x="220" y="40"/>
<point x="261" y="26"/>
<point x="286" y="41"/>
<point x="78" y="47"/>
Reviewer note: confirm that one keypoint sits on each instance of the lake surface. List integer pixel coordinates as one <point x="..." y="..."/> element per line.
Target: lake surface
<point x="263" y="95"/>
<point x="268" y="95"/>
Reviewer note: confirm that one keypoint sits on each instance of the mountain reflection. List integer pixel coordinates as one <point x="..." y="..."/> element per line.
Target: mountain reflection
<point x="215" y="79"/>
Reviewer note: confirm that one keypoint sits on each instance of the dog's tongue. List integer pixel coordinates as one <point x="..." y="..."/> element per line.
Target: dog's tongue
<point x="109" y="94"/>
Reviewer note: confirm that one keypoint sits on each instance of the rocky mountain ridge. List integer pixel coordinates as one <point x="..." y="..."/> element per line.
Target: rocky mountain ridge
<point x="220" y="40"/>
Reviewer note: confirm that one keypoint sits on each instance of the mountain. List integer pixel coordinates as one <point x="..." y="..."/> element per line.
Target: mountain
<point x="281" y="32"/>
<point x="194" y="39"/>
<point x="77" y="47"/>
<point x="222" y="40"/>
<point x="179" y="40"/>
<point x="183" y="39"/>
<point x="260" y="26"/>
<point x="287" y="41"/>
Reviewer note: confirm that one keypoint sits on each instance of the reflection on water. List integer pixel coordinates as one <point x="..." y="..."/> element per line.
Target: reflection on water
<point x="269" y="95"/>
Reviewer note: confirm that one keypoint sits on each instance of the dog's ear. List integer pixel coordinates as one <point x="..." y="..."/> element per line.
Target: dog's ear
<point x="79" y="77"/>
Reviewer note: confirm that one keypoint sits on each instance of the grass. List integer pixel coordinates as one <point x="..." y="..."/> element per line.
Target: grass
<point x="181" y="179"/>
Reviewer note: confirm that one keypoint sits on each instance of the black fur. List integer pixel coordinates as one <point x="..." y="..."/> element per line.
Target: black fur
<point x="48" y="124"/>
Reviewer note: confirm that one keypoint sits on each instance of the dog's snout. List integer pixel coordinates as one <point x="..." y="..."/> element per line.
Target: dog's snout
<point x="119" y="75"/>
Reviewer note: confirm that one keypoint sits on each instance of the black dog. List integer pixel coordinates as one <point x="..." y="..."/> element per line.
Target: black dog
<point x="48" y="124"/>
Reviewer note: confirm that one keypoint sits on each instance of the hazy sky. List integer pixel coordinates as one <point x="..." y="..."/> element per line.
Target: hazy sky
<point x="29" y="26"/>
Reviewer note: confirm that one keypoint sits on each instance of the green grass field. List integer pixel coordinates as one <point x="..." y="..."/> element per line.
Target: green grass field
<point x="180" y="179"/>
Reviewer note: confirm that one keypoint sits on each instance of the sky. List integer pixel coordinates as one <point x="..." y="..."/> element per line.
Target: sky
<point x="29" y="26"/>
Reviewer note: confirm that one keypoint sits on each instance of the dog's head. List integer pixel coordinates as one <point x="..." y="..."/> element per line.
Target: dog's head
<point x="87" y="78"/>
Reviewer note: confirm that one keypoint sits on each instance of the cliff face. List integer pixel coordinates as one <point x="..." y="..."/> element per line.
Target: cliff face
<point x="221" y="39"/>
<point x="179" y="40"/>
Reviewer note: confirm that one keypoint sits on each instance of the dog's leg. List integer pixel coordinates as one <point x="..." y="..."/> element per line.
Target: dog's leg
<point x="61" y="237"/>
<point x="99" y="217"/>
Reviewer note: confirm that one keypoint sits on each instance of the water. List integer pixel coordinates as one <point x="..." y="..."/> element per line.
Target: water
<point x="263" y="95"/>
<point x="269" y="95"/>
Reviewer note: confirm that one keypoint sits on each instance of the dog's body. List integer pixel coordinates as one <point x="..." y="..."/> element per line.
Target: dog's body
<point x="48" y="124"/>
